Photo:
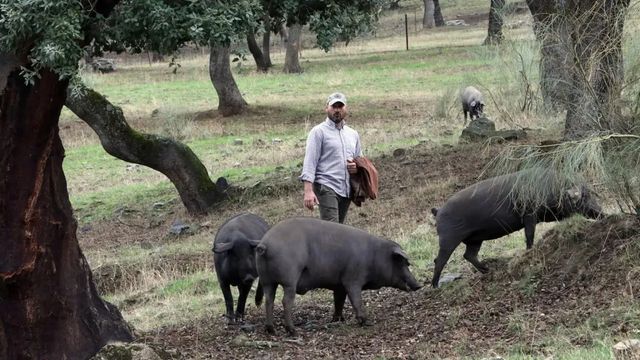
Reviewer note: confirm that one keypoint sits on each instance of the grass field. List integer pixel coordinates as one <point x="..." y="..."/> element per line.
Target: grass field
<point x="397" y="99"/>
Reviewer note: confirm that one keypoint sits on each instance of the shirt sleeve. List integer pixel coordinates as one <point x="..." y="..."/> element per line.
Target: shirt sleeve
<point x="311" y="156"/>
<point x="358" y="151"/>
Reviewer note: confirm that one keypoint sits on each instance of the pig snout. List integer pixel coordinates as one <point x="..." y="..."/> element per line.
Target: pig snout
<point x="410" y="283"/>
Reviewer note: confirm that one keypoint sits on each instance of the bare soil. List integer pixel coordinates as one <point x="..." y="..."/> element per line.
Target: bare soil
<point x="567" y="279"/>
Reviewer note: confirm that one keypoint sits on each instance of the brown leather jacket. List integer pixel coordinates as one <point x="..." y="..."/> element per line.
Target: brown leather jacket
<point x="365" y="182"/>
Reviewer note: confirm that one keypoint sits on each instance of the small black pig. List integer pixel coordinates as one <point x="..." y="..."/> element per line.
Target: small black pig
<point x="472" y="103"/>
<point x="302" y="254"/>
<point x="488" y="210"/>
<point x="234" y="259"/>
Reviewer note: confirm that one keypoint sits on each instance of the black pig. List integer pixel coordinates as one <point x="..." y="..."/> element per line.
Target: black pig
<point x="488" y="210"/>
<point x="302" y="254"/>
<point x="234" y="259"/>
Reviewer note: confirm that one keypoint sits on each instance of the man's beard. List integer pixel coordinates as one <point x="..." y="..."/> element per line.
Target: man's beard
<point x="336" y="118"/>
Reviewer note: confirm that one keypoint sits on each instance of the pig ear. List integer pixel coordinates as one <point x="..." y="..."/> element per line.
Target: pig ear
<point x="222" y="247"/>
<point x="399" y="254"/>
<point x="254" y="243"/>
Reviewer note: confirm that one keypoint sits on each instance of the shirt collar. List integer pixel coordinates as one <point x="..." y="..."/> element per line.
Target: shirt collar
<point x="333" y="125"/>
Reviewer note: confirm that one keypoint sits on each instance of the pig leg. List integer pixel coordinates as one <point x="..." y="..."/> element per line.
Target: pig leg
<point x="287" y="304"/>
<point x="529" y="229"/>
<point x="228" y="301"/>
<point x="355" y="296"/>
<point x="269" y="296"/>
<point x="471" y="254"/>
<point x="446" y="249"/>
<point x="339" y="296"/>
<point x="242" y="300"/>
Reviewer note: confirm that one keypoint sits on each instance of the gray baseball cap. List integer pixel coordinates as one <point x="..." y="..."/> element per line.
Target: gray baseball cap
<point x="336" y="97"/>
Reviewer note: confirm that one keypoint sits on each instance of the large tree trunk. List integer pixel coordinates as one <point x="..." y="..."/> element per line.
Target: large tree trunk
<point x="596" y="29"/>
<point x="551" y="30"/>
<point x="230" y="101"/>
<point x="172" y="158"/>
<point x="437" y="14"/>
<point x="266" y="40"/>
<point x="49" y="307"/>
<point x="261" y="63"/>
<point x="427" y="20"/>
<point x="494" y="32"/>
<point x="291" y="60"/>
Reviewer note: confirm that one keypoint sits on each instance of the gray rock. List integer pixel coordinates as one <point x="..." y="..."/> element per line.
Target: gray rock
<point x="627" y="350"/>
<point x="237" y="142"/>
<point x="179" y="228"/>
<point x="482" y="129"/>
<point x="399" y="152"/>
<point x="447" y="278"/>
<point x="126" y="351"/>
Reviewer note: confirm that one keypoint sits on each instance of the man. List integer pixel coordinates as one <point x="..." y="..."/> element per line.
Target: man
<point x="328" y="162"/>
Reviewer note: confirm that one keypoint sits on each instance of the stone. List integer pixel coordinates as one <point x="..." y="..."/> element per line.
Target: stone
<point x="126" y="351"/>
<point x="237" y="142"/>
<point x="482" y="129"/>
<point x="179" y="228"/>
<point x="627" y="350"/>
<point x="399" y="152"/>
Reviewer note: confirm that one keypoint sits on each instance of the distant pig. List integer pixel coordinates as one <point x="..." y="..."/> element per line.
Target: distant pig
<point x="302" y="254"/>
<point x="472" y="103"/>
<point x="489" y="209"/>
<point x="234" y="259"/>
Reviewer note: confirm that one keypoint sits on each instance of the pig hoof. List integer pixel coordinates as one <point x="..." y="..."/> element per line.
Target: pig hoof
<point x="483" y="269"/>
<point x="337" y="318"/>
<point x="365" y="322"/>
<point x="292" y="332"/>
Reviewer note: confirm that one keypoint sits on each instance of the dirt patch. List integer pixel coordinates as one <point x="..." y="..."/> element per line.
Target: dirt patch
<point x="478" y="316"/>
<point x="474" y="19"/>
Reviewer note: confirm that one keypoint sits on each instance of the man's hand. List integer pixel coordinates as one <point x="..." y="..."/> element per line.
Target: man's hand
<point x="310" y="199"/>
<point x="351" y="167"/>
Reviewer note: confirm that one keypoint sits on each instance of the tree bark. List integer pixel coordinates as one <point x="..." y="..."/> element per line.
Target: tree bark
<point x="551" y="30"/>
<point x="255" y="50"/>
<point x="596" y="29"/>
<point x="428" y="21"/>
<point x="230" y="101"/>
<point x="291" y="60"/>
<point x="437" y="14"/>
<point x="494" y="32"/>
<point x="266" y="40"/>
<point x="172" y="158"/>
<point x="49" y="306"/>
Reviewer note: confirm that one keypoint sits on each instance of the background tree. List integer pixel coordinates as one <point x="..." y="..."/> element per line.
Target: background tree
<point x="165" y="26"/>
<point x="427" y="20"/>
<point x="170" y="26"/>
<point x="437" y="14"/>
<point x="170" y="157"/>
<point x="555" y="47"/>
<point x="49" y="307"/>
<point x="581" y="61"/>
<point x="494" y="31"/>
<point x="330" y="21"/>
